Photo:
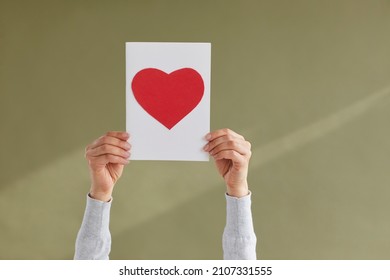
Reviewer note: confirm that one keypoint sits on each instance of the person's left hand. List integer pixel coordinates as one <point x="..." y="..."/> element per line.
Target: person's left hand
<point x="231" y="153"/>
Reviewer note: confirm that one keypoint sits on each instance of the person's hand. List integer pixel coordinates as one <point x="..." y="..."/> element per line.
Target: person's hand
<point x="231" y="153"/>
<point x="106" y="157"/>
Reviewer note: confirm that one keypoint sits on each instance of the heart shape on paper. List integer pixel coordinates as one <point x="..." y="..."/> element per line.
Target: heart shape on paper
<point x="168" y="97"/>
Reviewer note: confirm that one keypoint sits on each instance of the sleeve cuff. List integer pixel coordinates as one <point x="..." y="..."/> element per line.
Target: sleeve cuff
<point x="97" y="215"/>
<point x="239" y="214"/>
<point x="239" y="239"/>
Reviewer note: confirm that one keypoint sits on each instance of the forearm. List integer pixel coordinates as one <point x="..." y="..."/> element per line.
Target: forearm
<point x="94" y="239"/>
<point x="239" y="239"/>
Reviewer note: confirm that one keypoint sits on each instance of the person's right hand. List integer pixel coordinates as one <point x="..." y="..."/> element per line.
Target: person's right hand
<point x="106" y="157"/>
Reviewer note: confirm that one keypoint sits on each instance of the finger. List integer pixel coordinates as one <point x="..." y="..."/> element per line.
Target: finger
<point x="110" y="140"/>
<point x="123" y="135"/>
<point x="234" y="156"/>
<point x="225" y="138"/>
<point x="240" y="146"/>
<point x="222" y="132"/>
<point x="108" y="158"/>
<point x="107" y="149"/>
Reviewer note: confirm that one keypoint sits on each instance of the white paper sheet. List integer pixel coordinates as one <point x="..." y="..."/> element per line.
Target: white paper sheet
<point x="166" y="115"/>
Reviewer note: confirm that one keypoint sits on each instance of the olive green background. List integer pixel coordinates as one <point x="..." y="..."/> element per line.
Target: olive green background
<point x="307" y="82"/>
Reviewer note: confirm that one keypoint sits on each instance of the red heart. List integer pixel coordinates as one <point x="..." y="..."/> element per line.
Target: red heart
<point x="168" y="97"/>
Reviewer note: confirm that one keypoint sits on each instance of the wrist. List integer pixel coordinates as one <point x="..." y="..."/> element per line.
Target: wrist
<point x="100" y="195"/>
<point x="238" y="191"/>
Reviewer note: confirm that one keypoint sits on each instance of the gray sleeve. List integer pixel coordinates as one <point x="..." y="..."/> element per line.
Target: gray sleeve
<point x="94" y="239"/>
<point x="239" y="239"/>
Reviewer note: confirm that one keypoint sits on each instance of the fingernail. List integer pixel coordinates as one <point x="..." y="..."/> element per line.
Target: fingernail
<point x="125" y="134"/>
<point x="206" y="147"/>
<point x="208" y="136"/>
